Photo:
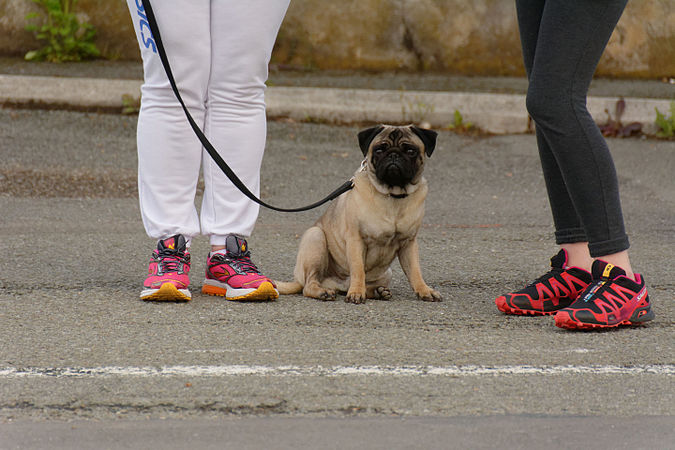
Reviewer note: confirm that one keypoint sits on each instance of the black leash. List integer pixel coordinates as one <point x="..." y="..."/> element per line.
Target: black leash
<point x="150" y="15"/>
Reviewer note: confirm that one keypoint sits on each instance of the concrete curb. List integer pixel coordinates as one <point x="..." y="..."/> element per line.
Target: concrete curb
<point x="493" y="113"/>
<point x="71" y="92"/>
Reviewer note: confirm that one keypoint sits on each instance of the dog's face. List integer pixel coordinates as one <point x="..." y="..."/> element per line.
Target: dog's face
<point x="396" y="154"/>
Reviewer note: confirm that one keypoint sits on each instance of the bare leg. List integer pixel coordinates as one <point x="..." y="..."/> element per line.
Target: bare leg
<point x="620" y="259"/>
<point x="578" y="256"/>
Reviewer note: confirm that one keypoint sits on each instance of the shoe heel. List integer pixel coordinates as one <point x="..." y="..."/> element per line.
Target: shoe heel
<point x="640" y="315"/>
<point x="210" y="289"/>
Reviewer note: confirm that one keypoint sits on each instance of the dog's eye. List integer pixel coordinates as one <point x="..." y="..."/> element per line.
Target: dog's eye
<point x="380" y="148"/>
<point x="410" y="150"/>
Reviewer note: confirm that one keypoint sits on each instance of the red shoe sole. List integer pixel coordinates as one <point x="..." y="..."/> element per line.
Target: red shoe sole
<point x="504" y="307"/>
<point x="563" y="320"/>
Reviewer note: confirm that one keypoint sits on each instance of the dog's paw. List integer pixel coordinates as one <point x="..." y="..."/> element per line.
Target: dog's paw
<point x="358" y="298"/>
<point x="327" y="296"/>
<point x="315" y="290"/>
<point x="383" y="293"/>
<point x="430" y="296"/>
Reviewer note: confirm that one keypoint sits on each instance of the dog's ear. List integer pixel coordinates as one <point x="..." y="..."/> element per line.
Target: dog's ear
<point x="428" y="138"/>
<point x="366" y="137"/>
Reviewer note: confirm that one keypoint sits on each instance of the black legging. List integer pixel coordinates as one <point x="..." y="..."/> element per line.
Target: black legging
<point x="562" y="43"/>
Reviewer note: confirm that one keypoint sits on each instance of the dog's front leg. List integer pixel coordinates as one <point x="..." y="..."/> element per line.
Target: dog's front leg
<point x="409" y="257"/>
<point x="356" y="253"/>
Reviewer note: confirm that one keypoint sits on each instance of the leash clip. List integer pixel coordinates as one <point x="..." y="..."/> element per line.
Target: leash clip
<point x="362" y="168"/>
<point x="364" y="164"/>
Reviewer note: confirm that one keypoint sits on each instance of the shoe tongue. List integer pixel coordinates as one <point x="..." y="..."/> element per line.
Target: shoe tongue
<point x="236" y="246"/>
<point x="602" y="269"/>
<point x="559" y="261"/>
<point x="175" y="243"/>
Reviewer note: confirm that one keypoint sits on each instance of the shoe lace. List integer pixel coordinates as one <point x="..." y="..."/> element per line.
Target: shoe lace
<point x="241" y="264"/>
<point x="594" y="289"/>
<point x="171" y="261"/>
<point x="547" y="276"/>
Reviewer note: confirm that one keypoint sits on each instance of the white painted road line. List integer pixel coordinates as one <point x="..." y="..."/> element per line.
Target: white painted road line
<point x="311" y="371"/>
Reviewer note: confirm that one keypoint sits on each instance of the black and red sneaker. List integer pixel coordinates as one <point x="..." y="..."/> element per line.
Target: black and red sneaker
<point x="549" y="293"/>
<point x="612" y="299"/>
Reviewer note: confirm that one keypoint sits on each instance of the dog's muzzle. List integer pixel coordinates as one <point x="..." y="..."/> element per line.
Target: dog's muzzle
<point x="394" y="170"/>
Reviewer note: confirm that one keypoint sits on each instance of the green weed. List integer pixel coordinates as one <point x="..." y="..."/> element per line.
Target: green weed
<point x="130" y="104"/>
<point x="63" y="36"/>
<point x="666" y="124"/>
<point x="458" y="125"/>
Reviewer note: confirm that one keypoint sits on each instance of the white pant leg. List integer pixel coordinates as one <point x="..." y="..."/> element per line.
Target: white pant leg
<point x="242" y="37"/>
<point x="169" y="154"/>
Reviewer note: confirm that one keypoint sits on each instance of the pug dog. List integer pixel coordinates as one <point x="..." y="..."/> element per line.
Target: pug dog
<point x="352" y="245"/>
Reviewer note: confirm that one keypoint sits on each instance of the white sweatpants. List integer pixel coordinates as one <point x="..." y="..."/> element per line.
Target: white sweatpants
<point x="219" y="51"/>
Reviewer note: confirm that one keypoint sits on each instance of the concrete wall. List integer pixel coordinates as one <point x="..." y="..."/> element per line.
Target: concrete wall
<point x="455" y="36"/>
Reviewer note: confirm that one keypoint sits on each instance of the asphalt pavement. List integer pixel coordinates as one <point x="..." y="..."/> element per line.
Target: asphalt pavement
<point x="85" y="363"/>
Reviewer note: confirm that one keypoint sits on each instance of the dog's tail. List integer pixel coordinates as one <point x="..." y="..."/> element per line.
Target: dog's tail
<point x="288" y="287"/>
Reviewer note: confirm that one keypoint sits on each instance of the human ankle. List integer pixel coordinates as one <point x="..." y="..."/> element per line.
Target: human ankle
<point x="621" y="260"/>
<point x="578" y="255"/>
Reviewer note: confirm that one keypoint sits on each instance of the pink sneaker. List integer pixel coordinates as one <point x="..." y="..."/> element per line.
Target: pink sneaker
<point x="230" y="273"/>
<point x="168" y="278"/>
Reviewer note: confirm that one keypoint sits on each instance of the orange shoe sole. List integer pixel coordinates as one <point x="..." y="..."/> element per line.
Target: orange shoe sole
<point x="166" y="293"/>
<point x="265" y="292"/>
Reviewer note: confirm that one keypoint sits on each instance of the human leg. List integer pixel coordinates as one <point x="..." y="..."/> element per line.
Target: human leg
<point x="561" y="47"/>
<point x="570" y="234"/>
<point x="561" y="75"/>
<point x="169" y="155"/>
<point x="243" y="35"/>
<point x="568" y="275"/>
<point x="572" y="36"/>
<point x="570" y="40"/>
